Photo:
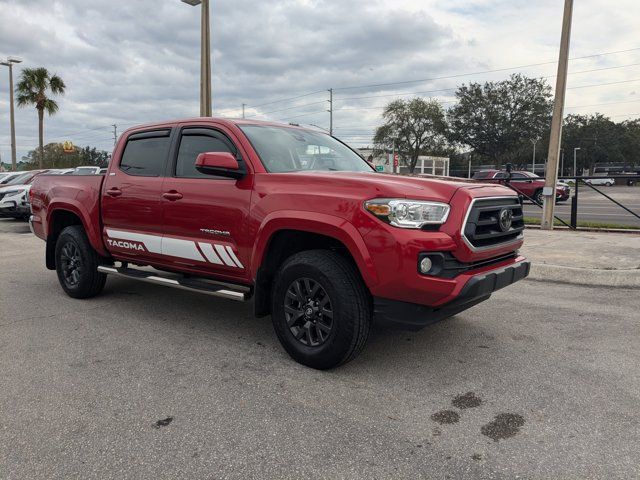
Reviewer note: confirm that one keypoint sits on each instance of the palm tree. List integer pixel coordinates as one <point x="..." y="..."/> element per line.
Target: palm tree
<point x="32" y="89"/>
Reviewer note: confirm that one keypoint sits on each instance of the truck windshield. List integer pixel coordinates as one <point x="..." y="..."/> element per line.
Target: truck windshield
<point x="283" y="149"/>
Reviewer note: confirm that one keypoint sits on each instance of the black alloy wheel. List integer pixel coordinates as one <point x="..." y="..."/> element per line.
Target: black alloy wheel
<point x="321" y="308"/>
<point x="71" y="264"/>
<point x="308" y="312"/>
<point x="77" y="264"/>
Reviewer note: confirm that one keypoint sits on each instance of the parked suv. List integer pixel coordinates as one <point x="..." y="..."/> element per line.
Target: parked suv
<point x="524" y="182"/>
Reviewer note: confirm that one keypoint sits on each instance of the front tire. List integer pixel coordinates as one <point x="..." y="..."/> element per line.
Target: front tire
<point x="77" y="264"/>
<point x="321" y="309"/>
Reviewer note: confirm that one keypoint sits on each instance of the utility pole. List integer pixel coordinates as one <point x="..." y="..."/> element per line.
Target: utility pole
<point x="330" y="111"/>
<point x="469" y="175"/>
<point x="205" y="57"/>
<point x="243" y="105"/>
<point x="533" y="164"/>
<point x="575" y="150"/>
<point x="9" y="63"/>
<point x="115" y="134"/>
<point x="562" y="163"/>
<point x="551" y="178"/>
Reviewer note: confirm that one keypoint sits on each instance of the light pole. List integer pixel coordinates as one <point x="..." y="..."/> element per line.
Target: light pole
<point x="575" y="150"/>
<point x="205" y="57"/>
<point x="9" y="63"/>
<point x="533" y="165"/>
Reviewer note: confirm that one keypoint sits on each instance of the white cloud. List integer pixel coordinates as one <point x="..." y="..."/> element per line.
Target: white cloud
<point x="126" y="62"/>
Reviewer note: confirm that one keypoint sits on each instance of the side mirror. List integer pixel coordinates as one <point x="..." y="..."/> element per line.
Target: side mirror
<point x="223" y="164"/>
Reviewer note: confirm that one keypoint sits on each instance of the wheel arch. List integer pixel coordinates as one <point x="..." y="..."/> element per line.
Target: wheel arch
<point x="292" y="232"/>
<point x="58" y="219"/>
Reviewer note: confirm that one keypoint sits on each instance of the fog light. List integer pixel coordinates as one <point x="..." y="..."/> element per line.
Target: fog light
<point x="425" y="265"/>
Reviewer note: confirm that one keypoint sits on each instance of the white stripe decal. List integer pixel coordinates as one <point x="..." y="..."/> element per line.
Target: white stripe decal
<point x="224" y="256"/>
<point x="153" y="243"/>
<point x="233" y="256"/>
<point x="181" y="248"/>
<point x="210" y="253"/>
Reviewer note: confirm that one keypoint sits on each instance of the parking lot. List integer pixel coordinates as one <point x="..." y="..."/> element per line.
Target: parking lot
<point x="593" y="207"/>
<point x="541" y="381"/>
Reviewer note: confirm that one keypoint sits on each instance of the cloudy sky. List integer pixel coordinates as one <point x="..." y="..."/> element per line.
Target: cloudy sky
<point x="134" y="61"/>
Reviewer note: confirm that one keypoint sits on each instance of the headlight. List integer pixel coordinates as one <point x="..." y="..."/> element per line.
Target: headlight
<point x="408" y="213"/>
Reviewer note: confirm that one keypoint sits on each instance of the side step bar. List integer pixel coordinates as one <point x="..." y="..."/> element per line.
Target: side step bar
<point x="234" y="292"/>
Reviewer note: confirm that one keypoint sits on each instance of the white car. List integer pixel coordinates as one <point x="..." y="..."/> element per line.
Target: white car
<point x="6" y="177"/>
<point x="601" y="181"/>
<point x="14" y="201"/>
<point x="14" y="196"/>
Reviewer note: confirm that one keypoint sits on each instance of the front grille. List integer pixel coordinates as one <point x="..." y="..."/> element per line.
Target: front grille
<point x="483" y="228"/>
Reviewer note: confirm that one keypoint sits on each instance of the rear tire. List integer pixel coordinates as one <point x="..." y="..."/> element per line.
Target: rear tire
<point x="321" y="309"/>
<point x="77" y="264"/>
<point x="608" y="184"/>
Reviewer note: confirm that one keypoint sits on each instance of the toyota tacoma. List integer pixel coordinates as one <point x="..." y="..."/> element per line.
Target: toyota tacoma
<point x="288" y="217"/>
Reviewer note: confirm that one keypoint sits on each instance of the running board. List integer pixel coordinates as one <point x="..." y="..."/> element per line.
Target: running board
<point x="234" y="292"/>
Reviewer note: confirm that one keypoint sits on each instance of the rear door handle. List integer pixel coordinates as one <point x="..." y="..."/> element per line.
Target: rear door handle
<point x="114" y="192"/>
<point x="172" y="195"/>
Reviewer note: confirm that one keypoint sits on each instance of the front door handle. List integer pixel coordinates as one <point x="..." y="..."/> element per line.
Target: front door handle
<point x="172" y="195"/>
<point x="114" y="192"/>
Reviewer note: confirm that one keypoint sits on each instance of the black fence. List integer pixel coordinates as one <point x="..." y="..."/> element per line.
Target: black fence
<point x="584" y="182"/>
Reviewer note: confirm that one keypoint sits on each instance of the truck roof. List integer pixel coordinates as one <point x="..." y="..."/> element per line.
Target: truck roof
<point x="220" y="120"/>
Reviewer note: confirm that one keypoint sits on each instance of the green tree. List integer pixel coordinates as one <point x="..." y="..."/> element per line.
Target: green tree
<point x="416" y="126"/>
<point x="499" y="120"/>
<point x="598" y="137"/>
<point x="33" y="88"/>
<point x="53" y="156"/>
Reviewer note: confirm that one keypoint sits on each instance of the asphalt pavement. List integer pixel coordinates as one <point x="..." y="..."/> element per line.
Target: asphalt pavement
<point x="541" y="381"/>
<point x="593" y="207"/>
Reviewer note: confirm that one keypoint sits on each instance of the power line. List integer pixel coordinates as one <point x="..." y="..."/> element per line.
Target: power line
<point x="285" y="109"/>
<point x="482" y="71"/>
<point x="303" y="115"/>
<point x="274" y="101"/>
<point x="455" y="88"/>
<point x="603" y="84"/>
<point x="287" y="99"/>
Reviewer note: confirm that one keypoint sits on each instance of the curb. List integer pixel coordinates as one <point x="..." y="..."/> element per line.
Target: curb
<point x="585" y="276"/>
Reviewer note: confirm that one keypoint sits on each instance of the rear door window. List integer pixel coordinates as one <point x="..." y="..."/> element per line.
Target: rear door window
<point x="146" y="154"/>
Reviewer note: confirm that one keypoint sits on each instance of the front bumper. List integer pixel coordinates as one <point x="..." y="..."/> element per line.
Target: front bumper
<point x="15" y="210"/>
<point x="478" y="288"/>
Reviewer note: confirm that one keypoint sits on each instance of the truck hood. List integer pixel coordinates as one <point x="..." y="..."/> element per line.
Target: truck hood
<point x="387" y="185"/>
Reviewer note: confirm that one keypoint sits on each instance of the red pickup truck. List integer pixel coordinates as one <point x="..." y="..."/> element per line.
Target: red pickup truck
<point x="289" y="217"/>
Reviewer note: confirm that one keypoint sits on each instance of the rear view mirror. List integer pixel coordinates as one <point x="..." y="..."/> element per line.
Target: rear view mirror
<point x="223" y="164"/>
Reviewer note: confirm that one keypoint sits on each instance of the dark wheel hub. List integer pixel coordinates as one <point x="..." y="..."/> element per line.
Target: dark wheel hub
<point x="308" y="312"/>
<point x="71" y="263"/>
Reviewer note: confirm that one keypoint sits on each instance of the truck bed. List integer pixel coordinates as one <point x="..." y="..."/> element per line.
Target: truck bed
<point x="79" y="194"/>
